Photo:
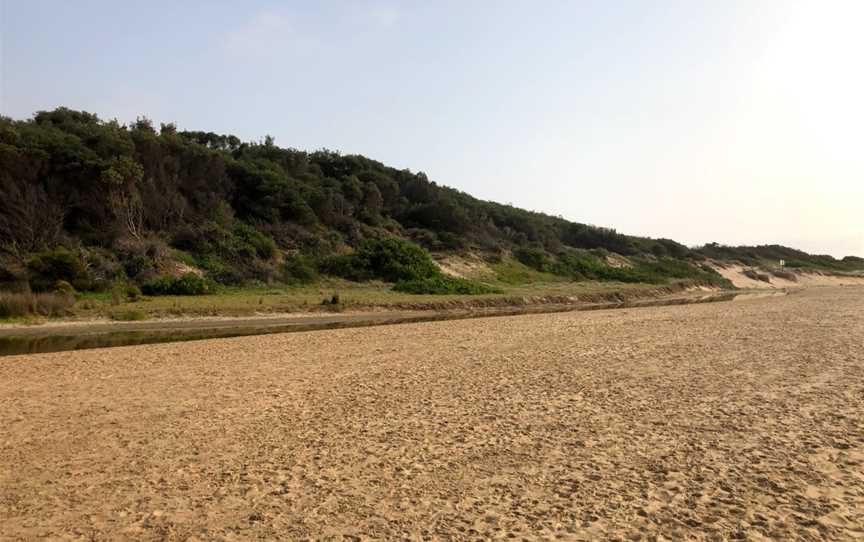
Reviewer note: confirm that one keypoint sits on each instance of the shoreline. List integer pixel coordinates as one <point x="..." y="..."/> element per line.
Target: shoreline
<point x="100" y="334"/>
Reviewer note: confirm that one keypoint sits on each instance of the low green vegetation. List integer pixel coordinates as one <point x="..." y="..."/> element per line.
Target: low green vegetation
<point x="512" y="272"/>
<point x="300" y="269"/>
<point x="389" y="259"/>
<point x="583" y="265"/>
<point x="409" y="266"/>
<point x="441" y="285"/>
<point x="47" y="269"/>
<point x="769" y="256"/>
<point x="186" y="284"/>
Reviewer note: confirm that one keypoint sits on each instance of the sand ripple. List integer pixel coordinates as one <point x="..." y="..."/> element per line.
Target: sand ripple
<point x="740" y="421"/>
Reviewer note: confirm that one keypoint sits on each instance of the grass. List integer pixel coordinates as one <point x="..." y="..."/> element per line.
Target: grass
<point x="443" y="285"/>
<point x="129" y="315"/>
<point x="508" y="278"/>
<point x="240" y="301"/>
<point x="26" y="305"/>
<point x="513" y="272"/>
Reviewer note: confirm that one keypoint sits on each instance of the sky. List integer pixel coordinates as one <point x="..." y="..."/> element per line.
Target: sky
<point x="738" y="122"/>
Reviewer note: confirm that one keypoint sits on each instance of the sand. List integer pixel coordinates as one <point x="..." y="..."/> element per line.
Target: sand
<point x="739" y="420"/>
<point x="735" y="274"/>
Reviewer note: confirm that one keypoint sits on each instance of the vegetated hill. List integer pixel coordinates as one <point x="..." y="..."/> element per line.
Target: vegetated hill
<point x="771" y="254"/>
<point x="96" y="202"/>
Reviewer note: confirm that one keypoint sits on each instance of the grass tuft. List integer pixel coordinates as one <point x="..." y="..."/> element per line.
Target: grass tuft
<point x="19" y="305"/>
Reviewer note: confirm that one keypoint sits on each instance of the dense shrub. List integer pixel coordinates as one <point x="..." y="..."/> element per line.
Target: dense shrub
<point x="229" y="254"/>
<point x="46" y="268"/>
<point x="189" y="284"/>
<point x="772" y="254"/>
<point x="64" y="288"/>
<point x="342" y="265"/>
<point x="186" y="284"/>
<point x="221" y="271"/>
<point x="533" y="257"/>
<point x="592" y="265"/>
<point x="141" y="259"/>
<point x="299" y="270"/>
<point x="442" y="285"/>
<point x="138" y="265"/>
<point x="133" y="292"/>
<point x="579" y="265"/>
<point x="235" y="244"/>
<point x="666" y="268"/>
<point x="390" y="259"/>
<point x="246" y="236"/>
<point x="393" y="259"/>
<point x="585" y="266"/>
<point x="102" y="266"/>
<point x="158" y="286"/>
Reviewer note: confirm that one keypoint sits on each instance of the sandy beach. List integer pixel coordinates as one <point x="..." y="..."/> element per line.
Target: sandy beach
<point x="737" y="420"/>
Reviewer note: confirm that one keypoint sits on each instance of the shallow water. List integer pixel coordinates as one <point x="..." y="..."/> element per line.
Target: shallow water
<point x="64" y="340"/>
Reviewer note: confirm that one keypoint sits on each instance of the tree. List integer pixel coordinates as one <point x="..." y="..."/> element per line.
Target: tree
<point x="372" y="203"/>
<point x="121" y="179"/>
<point x="30" y="219"/>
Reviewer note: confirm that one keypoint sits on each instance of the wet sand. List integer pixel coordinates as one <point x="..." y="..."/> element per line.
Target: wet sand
<point x="740" y="420"/>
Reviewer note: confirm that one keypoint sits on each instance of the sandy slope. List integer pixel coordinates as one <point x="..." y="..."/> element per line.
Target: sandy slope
<point x="735" y="274"/>
<point x="740" y="420"/>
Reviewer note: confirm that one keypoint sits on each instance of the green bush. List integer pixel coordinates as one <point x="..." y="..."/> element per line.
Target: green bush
<point x="393" y="259"/>
<point x="299" y="270"/>
<point x="347" y="266"/>
<point x="533" y="258"/>
<point x="389" y="259"/>
<point x="238" y="244"/>
<point x="229" y="255"/>
<point x="442" y="285"/>
<point x="63" y="287"/>
<point x="670" y="268"/>
<point x="158" y="286"/>
<point x="186" y="284"/>
<point x="46" y="269"/>
<point x="584" y="266"/>
<point x="221" y="271"/>
<point x="247" y="236"/>
<point x="133" y="292"/>
<point x="189" y="284"/>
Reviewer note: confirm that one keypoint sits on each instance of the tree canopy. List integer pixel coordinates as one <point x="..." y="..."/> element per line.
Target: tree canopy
<point x="69" y="178"/>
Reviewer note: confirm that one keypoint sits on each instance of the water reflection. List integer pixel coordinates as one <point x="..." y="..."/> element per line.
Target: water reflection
<point x="34" y="344"/>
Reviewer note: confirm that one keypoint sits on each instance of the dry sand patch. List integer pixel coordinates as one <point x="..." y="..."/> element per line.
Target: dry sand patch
<point x="727" y="420"/>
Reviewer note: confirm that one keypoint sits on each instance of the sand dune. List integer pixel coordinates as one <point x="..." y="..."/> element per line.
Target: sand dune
<point x="735" y="274"/>
<point x="740" y="420"/>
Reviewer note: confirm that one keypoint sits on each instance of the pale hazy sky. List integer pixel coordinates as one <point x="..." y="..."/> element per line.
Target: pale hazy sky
<point x="736" y="122"/>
